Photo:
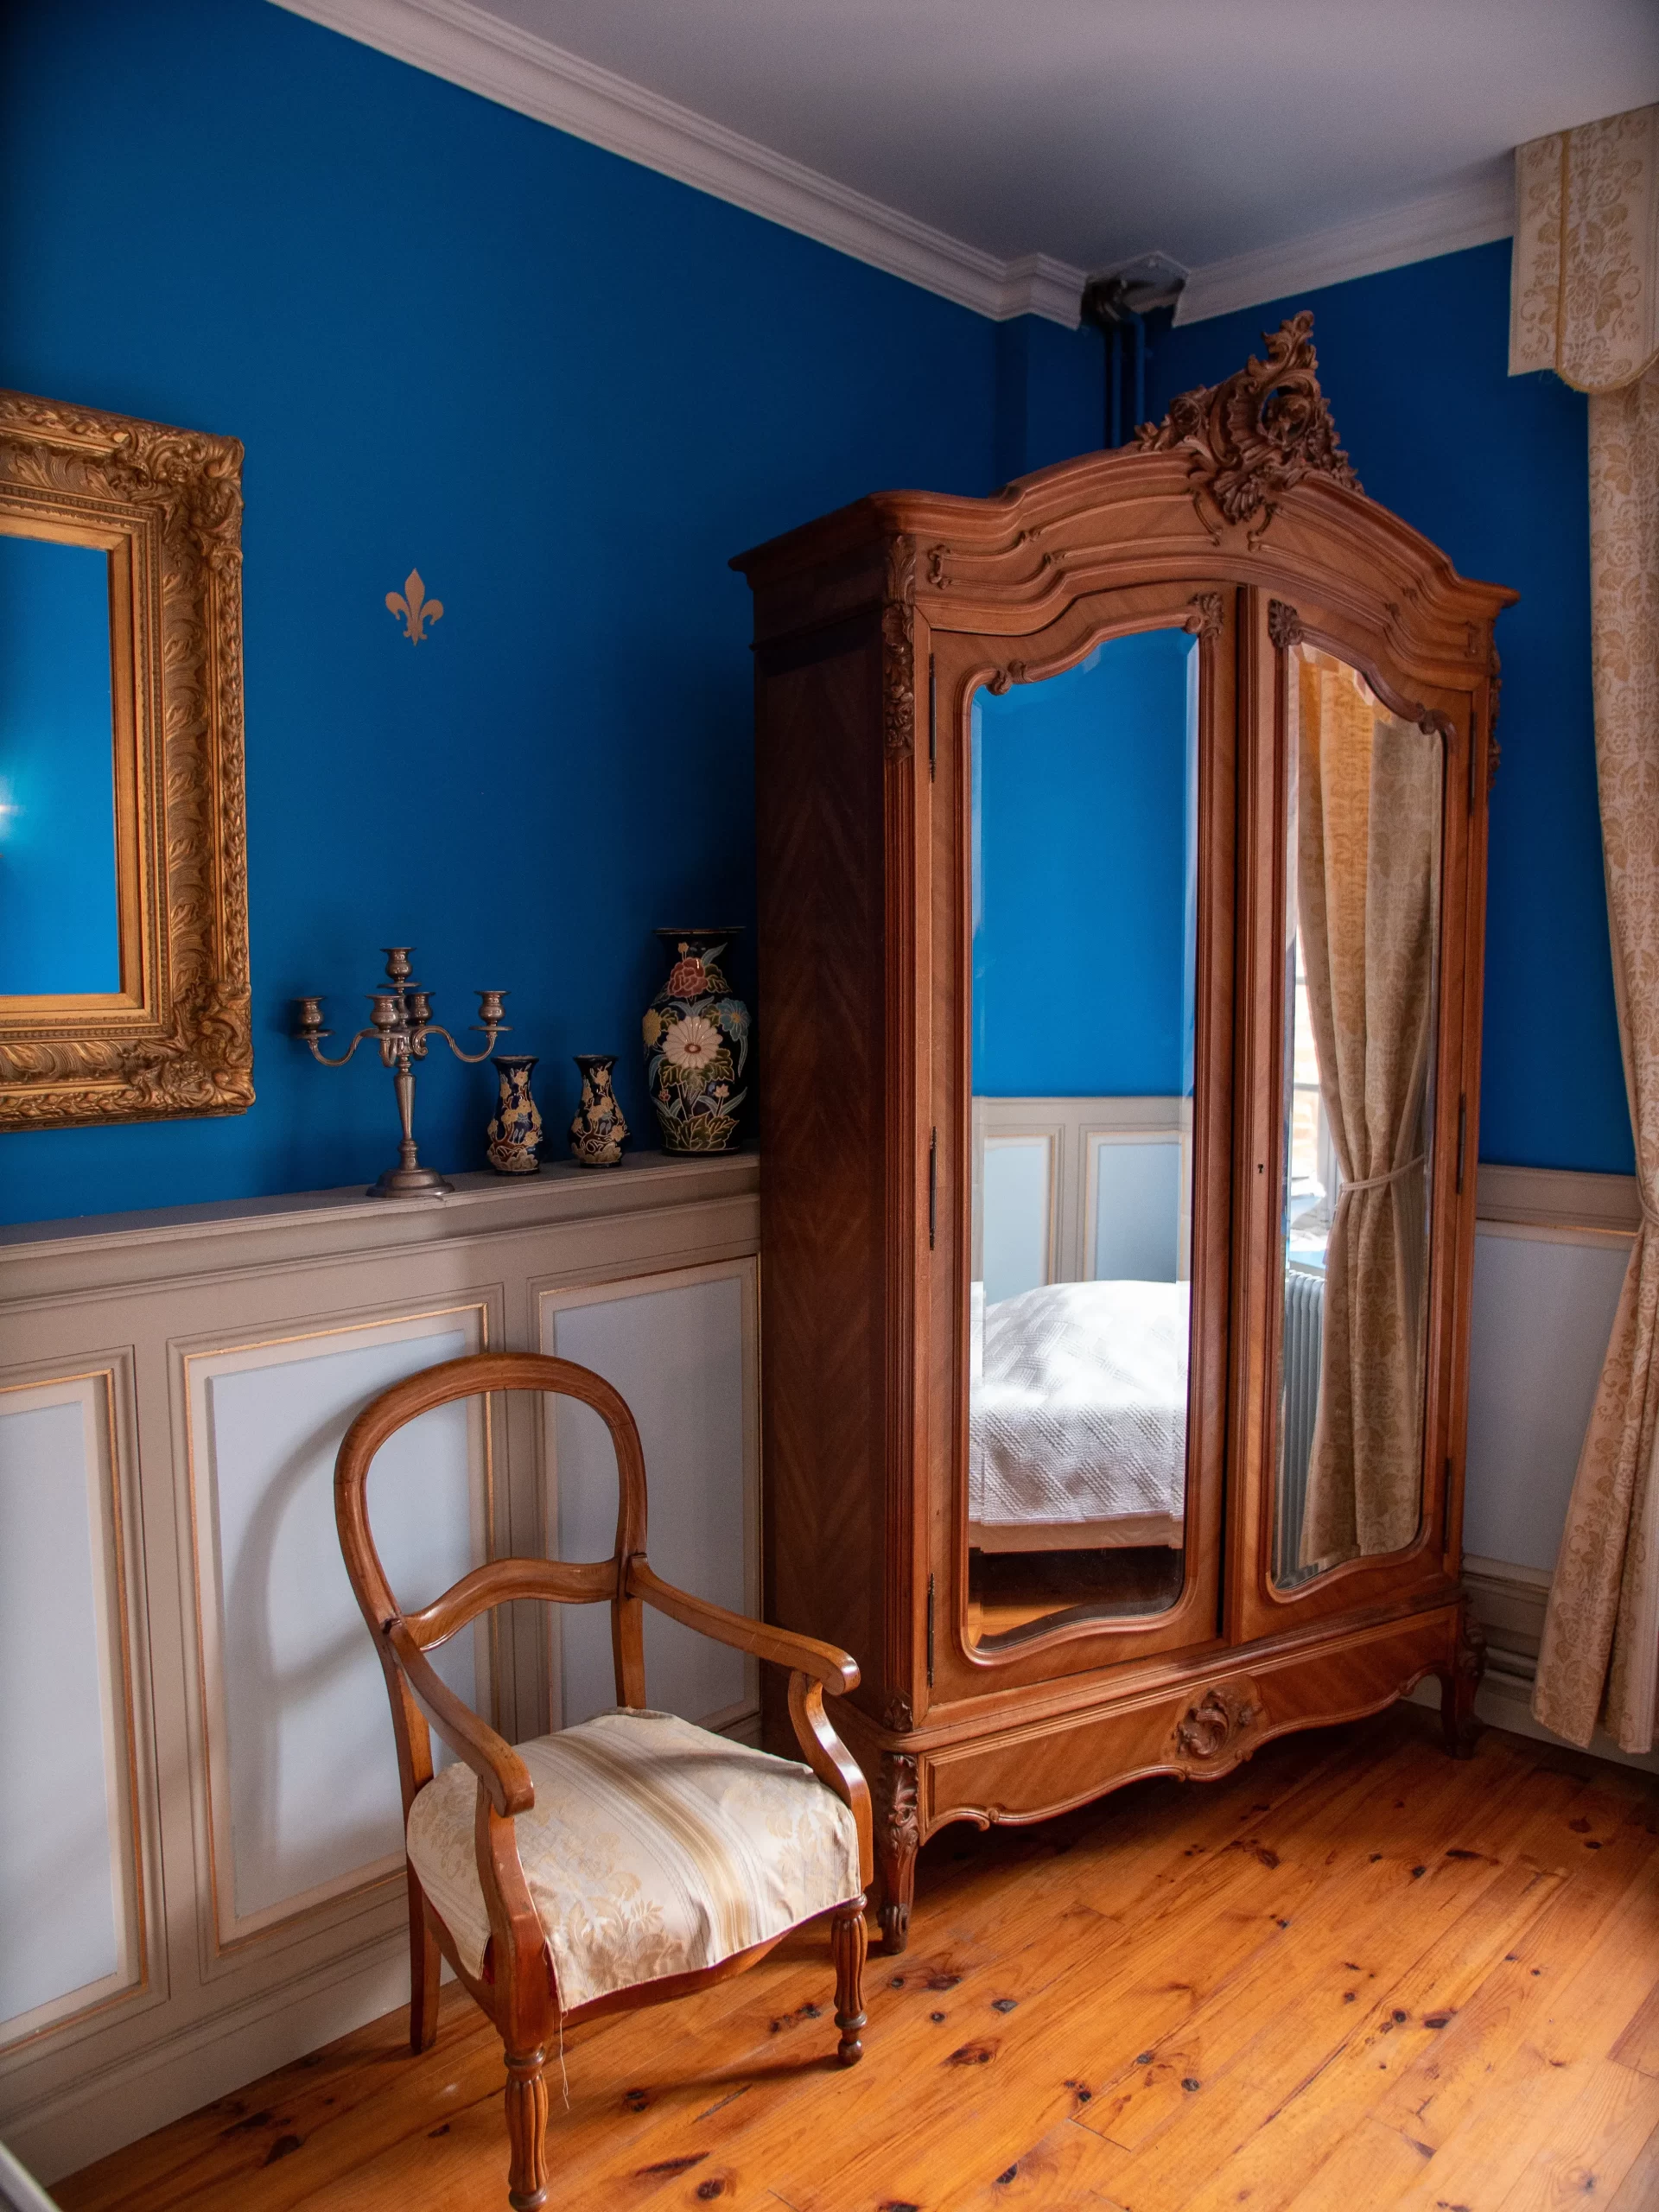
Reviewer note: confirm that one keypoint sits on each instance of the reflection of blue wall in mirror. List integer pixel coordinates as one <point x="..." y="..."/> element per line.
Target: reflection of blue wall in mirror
<point x="1084" y="891"/>
<point x="58" y="923"/>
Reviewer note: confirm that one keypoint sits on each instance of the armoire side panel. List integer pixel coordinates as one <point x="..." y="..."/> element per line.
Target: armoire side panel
<point x="821" y="1079"/>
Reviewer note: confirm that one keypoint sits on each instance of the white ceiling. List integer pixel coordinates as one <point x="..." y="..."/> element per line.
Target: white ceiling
<point x="1093" y="131"/>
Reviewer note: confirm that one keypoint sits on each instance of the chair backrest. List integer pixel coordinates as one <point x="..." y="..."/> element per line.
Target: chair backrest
<point x="500" y="1581"/>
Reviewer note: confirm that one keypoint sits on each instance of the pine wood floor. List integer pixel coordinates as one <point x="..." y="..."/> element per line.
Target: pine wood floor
<point x="1354" y="1974"/>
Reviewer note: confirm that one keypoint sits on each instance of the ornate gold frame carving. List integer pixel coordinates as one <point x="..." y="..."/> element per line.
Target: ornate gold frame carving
<point x="175" y="1038"/>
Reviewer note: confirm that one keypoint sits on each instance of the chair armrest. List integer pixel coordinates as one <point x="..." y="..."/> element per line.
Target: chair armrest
<point x="833" y="1763"/>
<point x="835" y="1670"/>
<point x="492" y="1759"/>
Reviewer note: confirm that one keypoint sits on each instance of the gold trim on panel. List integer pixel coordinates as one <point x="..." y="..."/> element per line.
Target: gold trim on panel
<point x="278" y="1919"/>
<point x="138" y="1984"/>
<point x="166" y="506"/>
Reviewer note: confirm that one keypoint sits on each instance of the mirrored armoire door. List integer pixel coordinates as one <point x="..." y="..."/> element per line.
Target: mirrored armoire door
<point x="1358" y="789"/>
<point x="1094" y="792"/>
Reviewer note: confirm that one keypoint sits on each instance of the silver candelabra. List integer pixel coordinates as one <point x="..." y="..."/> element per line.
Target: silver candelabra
<point x="401" y="1019"/>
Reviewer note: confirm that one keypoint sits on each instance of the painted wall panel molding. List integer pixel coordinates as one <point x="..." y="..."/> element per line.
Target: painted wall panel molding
<point x="502" y="62"/>
<point x="226" y="1328"/>
<point x="72" y="1742"/>
<point x="299" y="1771"/>
<point x="682" y="1348"/>
<point x="625" y="1212"/>
<point x="1557" y="1197"/>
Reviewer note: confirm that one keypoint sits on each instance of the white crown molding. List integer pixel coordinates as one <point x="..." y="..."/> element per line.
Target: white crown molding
<point x="1037" y="284"/>
<point x="455" y="40"/>
<point x="1446" y="222"/>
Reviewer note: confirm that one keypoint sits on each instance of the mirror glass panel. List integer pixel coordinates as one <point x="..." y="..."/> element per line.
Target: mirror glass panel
<point x="1362" y="878"/>
<point x="58" y="922"/>
<point x="1084" y="799"/>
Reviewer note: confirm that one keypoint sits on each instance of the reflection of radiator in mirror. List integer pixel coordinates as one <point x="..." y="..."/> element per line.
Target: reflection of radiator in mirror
<point x="1304" y="1315"/>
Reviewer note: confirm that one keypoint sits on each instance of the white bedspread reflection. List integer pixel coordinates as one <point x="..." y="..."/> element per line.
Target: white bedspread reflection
<point x="1077" y="1402"/>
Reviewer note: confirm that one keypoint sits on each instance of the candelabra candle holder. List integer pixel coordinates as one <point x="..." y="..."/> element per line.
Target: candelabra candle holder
<point x="400" y="1021"/>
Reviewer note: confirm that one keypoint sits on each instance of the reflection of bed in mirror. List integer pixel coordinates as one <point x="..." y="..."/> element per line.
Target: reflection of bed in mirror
<point x="1077" y="1417"/>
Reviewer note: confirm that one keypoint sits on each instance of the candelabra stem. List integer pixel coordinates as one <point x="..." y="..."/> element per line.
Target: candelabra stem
<point x="409" y="1179"/>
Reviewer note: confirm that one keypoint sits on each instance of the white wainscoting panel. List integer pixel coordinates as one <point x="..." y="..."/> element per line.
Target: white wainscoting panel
<point x="301" y="1763"/>
<point x="70" y="1892"/>
<point x="175" y="1389"/>
<point x="680" y="1348"/>
<point x="1541" y="1316"/>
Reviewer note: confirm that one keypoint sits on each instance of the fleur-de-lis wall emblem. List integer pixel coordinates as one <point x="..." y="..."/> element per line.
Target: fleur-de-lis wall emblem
<point x="416" y="608"/>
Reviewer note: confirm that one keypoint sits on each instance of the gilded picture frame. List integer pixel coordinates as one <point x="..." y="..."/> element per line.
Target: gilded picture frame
<point x="175" y="1039"/>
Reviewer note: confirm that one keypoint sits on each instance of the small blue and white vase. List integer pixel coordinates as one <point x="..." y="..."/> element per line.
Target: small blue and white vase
<point x="599" y="1130"/>
<point x="696" y="1033"/>
<point x="515" y="1132"/>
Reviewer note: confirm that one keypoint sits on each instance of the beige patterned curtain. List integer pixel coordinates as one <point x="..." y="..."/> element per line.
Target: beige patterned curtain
<point x="1585" y="301"/>
<point x="1367" y="835"/>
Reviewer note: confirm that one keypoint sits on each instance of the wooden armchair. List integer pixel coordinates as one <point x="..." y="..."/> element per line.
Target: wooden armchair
<point x="630" y="1859"/>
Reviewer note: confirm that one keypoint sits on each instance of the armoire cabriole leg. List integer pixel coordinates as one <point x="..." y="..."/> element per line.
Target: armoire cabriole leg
<point x="848" y="1942"/>
<point x="526" y="2132"/>
<point x="898" y="1839"/>
<point x="425" y="1971"/>
<point x="1458" y="1683"/>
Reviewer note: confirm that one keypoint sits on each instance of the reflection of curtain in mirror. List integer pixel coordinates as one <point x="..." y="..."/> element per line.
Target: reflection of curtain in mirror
<point x="1367" y="877"/>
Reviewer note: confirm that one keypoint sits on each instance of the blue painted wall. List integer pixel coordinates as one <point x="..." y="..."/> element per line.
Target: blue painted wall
<point x="1494" y="469"/>
<point x="564" y="387"/>
<point x="1050" y="394"/>
<point x="1083" y="919"/>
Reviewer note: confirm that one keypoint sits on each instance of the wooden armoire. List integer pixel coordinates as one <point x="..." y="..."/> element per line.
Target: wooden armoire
<point x="1342" y="682"/>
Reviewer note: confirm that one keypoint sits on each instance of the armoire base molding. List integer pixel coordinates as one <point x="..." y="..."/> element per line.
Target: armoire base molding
<point x="1198" y="1725"/>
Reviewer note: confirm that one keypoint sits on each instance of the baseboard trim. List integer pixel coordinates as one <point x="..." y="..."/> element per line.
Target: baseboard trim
<point x="106" y="2107"/>
<point x="1509" y="1602"/>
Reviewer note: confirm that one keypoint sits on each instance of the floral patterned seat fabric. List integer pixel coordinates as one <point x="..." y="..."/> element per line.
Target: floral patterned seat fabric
<point x="653" y="1847"/>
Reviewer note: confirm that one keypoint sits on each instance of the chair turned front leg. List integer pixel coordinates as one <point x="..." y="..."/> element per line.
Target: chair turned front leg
<point x="526" y="2132"/>
<point x="848" y="1942"/>
<point x="425" y="1972"/>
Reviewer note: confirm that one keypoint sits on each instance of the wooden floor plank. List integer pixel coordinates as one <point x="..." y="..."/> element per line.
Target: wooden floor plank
<point x="1007" y="2045"/>
<point x="1034" y="1940"/>
<point x="1557" y="2066"/>
<point x="1639" y="2190"/>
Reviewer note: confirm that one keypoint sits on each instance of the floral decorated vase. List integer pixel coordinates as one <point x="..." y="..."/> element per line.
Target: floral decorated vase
<point x="597" y="1131"/>
<point x="696" y="1033"/>
<point x="515" y="1132"/>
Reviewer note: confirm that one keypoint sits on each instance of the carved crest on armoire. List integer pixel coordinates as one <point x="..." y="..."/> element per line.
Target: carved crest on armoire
<point x="1122" y="847"/>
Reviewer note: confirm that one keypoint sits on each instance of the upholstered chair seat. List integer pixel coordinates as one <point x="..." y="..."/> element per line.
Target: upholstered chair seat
<point x="628" y="1859"/>
<point x="653" y="1848"/>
